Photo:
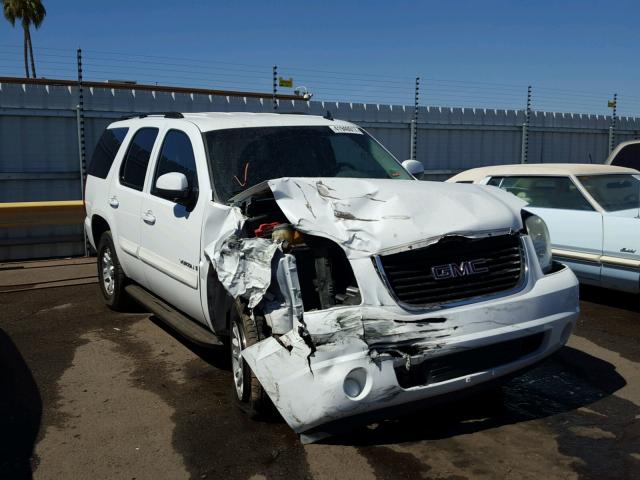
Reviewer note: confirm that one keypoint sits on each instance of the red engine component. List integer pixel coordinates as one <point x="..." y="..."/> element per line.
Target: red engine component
<point x="265" y="229"/>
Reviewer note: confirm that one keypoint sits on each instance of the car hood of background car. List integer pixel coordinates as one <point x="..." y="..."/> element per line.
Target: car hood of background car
<point x="370" y="216"/>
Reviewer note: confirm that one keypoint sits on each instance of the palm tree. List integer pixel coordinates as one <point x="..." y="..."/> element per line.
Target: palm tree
<point x="29" y="12"/>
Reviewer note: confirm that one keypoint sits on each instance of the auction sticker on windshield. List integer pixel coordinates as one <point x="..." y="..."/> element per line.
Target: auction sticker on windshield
<point x="345" y="129"/>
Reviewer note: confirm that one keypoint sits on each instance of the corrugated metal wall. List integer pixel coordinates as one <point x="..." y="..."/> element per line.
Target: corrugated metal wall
<point x="39" y="157"/>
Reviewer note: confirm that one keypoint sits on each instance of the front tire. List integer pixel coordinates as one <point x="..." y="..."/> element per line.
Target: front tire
<point x="245" y="331"/>
<point x="110" y="274"/>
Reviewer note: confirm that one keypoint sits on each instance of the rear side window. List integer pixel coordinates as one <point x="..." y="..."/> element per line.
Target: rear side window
<point x="628" y="156"/>
<point x="106" y="151"/>
<point x="177" y="155"/>
<point x="544" y="192"/>
<point x="134" y="165"/>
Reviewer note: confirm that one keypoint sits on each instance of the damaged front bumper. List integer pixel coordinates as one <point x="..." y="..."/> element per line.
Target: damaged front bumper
<point x="352" y="360"/>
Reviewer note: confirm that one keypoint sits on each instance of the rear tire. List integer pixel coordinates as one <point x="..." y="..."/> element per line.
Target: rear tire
<point x="110" y="274"/>
<point x="245" y="331"/>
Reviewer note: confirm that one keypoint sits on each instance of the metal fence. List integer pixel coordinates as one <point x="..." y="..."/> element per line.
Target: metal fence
<point x="47" y="126"/>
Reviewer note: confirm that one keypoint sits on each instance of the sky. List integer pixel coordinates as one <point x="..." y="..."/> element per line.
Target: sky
<point x="575" y="54"/>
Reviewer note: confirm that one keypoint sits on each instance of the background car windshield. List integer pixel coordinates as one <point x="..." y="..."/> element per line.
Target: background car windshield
<point x="614" y="192"/>
<point x="241" y="158"/>
<point x="544" y="191"/>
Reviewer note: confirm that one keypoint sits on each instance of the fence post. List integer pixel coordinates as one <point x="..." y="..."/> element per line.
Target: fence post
<point x="524" y="153"/>
<point x="414" y="121"/>
<point x="275" y="88"/>
<point x="81" y="141"/>
<point x="612" y="126"/>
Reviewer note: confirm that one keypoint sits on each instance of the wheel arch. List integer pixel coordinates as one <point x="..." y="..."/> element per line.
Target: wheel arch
<point x="219" y="303"/>
<point x="99" y="225"/>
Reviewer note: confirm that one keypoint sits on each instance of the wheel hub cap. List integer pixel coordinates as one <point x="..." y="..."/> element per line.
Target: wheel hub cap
<point x="236" y="360"/>
<point x="108" y="273"/>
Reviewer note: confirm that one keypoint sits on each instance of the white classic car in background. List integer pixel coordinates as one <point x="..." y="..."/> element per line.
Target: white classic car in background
<point x="592" y="212"/>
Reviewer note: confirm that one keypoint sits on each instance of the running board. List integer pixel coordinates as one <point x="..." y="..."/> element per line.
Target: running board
<point x="169" y="315"/>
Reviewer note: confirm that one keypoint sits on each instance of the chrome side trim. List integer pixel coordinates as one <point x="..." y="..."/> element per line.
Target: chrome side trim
<point x="619" y="261"/>
<point x="595" y="258"/>
<point x="520" y="286"/>
<point x="573" y="255"/>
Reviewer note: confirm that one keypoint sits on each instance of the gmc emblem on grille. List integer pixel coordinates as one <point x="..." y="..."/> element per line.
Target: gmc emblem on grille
<point x="463" y="269"/>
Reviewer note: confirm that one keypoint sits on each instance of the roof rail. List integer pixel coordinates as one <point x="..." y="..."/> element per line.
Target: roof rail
<point x="155" y="114"/>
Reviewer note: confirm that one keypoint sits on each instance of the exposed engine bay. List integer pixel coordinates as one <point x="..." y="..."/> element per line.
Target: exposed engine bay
<point x="323" y="271"/>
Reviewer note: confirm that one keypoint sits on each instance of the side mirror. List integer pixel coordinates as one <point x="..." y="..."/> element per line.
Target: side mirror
<point x="173" y="186"/>
<point x="414" y="167"/>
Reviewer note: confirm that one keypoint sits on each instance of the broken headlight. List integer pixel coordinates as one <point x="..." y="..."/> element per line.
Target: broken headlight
<point x="539" y="233"/>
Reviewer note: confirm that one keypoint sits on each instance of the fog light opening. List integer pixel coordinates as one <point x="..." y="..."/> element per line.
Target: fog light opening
<point x="355" y="383"/>
<point x="352" y="387"/>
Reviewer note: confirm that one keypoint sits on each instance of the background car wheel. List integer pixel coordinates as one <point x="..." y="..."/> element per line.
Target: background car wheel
<point x="110" y="274"/>
<point x="245" y="331"/>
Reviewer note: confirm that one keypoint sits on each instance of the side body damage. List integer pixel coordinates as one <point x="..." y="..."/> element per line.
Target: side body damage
<point x="323" y="259"/>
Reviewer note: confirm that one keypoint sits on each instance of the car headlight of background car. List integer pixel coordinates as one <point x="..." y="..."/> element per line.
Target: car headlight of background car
<point x="539" y="233"/>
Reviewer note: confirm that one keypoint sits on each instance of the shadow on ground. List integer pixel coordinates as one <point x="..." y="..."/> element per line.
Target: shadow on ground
<point x="610" y="298"/>
<point x="20" y="412"/>
<point x="217" y="357"/>
<point x="571" y="394"/>
<point x="214" y="437"/>
<point x="569" y="380"/>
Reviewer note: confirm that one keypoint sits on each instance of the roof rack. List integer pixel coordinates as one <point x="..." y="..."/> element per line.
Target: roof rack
<point x="155" y="114"/>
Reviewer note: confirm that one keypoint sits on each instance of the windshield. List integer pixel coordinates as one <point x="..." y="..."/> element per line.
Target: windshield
<point x="242" y="157"/>
<point x="613" y="192"/>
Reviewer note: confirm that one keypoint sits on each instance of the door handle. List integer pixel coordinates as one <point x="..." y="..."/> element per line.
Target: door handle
<point x="148" y="217"/>
<point x="113" y="201"/>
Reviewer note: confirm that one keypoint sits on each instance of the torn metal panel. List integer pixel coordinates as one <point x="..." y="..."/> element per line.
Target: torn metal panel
<point x="243" y="266"/>
<point x="392" y="334"/>
<point x="303" y="394"/>
<point x="329" y="328"/>
<point x="355" y="327"/>
<point x="221" y="222"/>
<point x="289" y="285"/>
<point x="285" y="310"/>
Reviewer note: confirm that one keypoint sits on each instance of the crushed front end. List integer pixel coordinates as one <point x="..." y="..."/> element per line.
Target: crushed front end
<point x="372" y="300"/>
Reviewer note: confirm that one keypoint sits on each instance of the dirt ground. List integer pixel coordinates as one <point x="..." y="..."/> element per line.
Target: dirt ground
<point x="86" y="393"/>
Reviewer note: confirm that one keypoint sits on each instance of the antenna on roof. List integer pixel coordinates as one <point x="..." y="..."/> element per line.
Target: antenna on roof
<point x="328" y="115"/>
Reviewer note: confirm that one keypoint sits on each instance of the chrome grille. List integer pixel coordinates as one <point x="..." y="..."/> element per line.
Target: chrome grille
<point x="479" y="267"/>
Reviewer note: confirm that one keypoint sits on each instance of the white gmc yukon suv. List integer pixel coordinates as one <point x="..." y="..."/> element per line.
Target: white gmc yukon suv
<point x="340" y="283"/>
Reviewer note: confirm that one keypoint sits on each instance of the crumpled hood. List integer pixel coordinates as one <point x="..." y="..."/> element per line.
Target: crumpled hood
<point x="367" y="216"/>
